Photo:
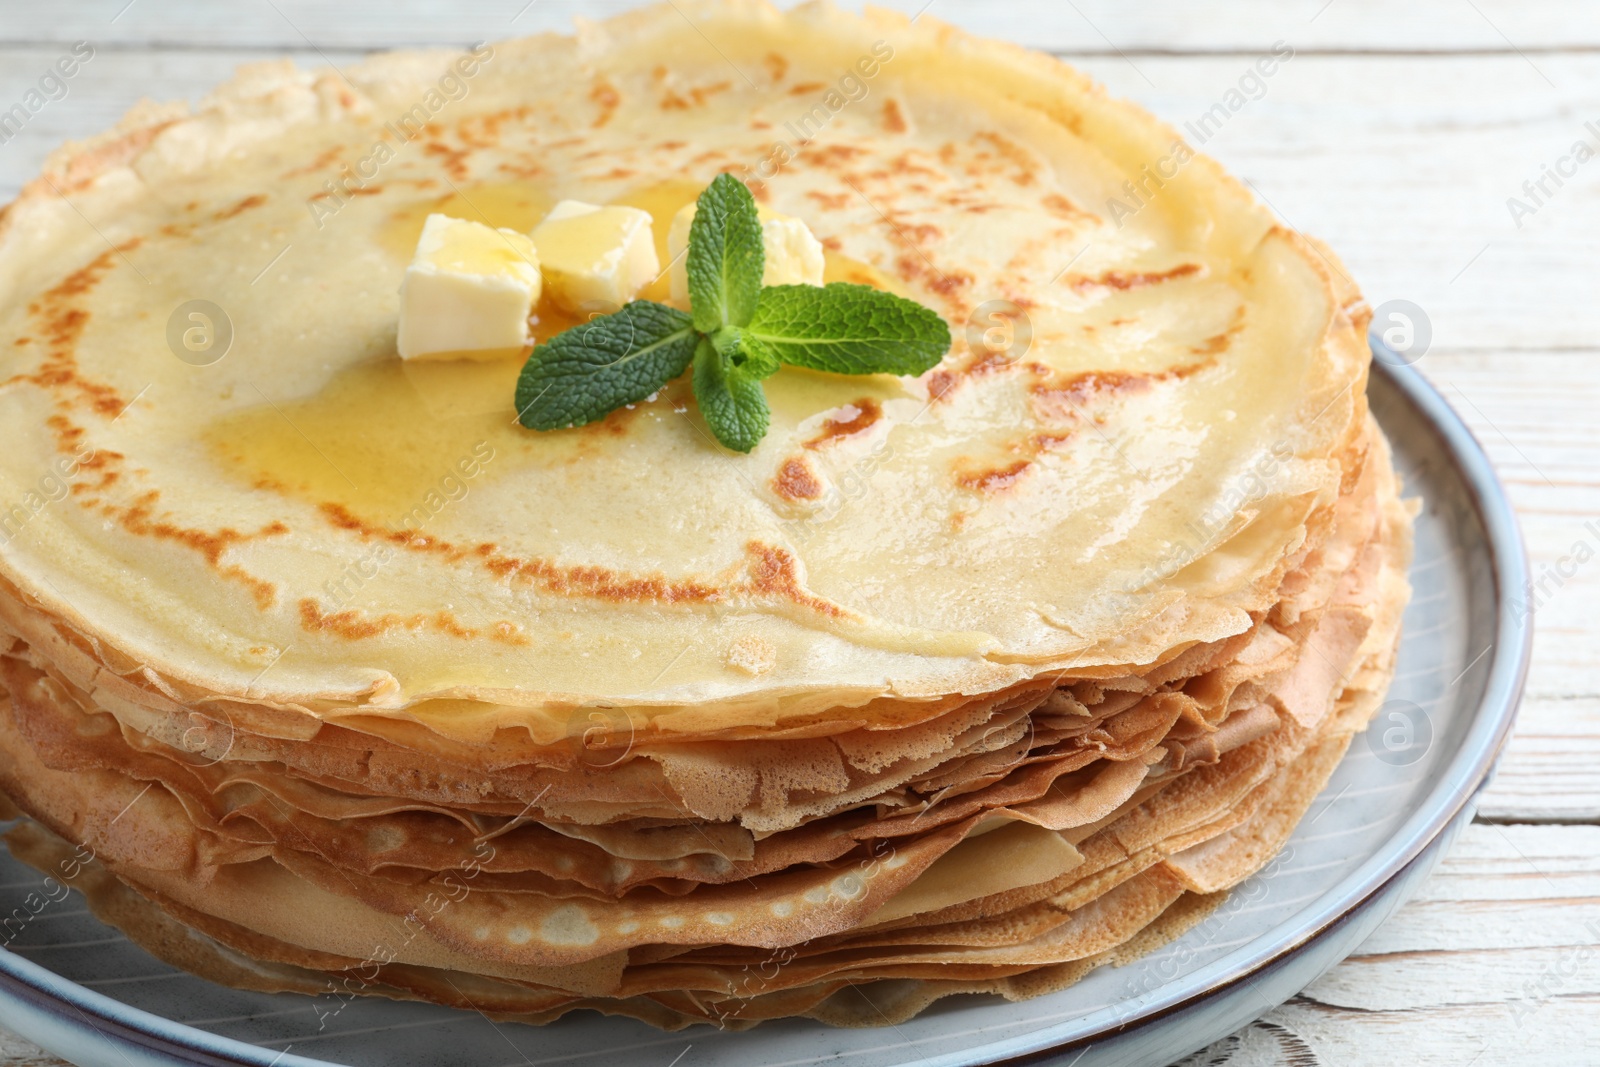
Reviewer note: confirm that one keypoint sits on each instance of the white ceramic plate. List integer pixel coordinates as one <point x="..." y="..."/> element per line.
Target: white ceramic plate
<point x="80" y="989"/>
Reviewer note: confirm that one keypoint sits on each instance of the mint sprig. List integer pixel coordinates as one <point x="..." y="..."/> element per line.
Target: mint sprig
<point x="736" y="334"/>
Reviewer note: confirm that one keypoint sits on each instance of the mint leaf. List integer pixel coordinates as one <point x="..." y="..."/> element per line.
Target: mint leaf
<point x="754" y="360"/>
<point x="725" y="256"/>
<point x="585" y="373"/>
<point x="730" y="398"/>
<point x="846" y="329"/>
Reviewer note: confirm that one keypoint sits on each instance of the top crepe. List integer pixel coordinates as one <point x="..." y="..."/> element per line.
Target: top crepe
<point x="305" y="524"/>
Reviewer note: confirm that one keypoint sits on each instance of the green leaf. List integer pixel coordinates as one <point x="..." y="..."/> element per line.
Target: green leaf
<point x="730" y="398"/>
<point x="754" y="360"/>
<point x="847" y="329"/>
<point x="585" y="373"/>
<point x="725" y="256"/>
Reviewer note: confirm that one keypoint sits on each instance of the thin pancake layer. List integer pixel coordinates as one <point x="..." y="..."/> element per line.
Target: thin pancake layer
<point x="309" y="527"/>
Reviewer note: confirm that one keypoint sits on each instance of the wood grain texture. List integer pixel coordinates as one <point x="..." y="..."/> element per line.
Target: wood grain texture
<point x="1081" y="27"/>
<point x="1398" y="134"/>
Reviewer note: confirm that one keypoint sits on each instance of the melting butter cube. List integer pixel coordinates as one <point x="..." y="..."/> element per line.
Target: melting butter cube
<point x="793" y="253"/>
<point x="468" y="292"/>
<point x="595" y="258"/>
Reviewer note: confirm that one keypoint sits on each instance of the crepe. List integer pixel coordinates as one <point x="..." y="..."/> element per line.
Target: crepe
<point x="209" y="532"/>
<point x="963" y="683"/>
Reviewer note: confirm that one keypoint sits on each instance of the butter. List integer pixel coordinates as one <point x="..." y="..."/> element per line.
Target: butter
<point x="793" y="253"/>
<point x="595" y="259"/>
<point x="468" y="292"/>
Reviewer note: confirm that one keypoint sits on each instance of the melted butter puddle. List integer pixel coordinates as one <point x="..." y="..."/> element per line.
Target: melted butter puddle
<point x="379" y="436"/>
<point x="504" y="205"/>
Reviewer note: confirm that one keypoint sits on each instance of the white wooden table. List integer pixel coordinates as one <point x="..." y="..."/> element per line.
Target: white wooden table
<point x="1398" y="137"/>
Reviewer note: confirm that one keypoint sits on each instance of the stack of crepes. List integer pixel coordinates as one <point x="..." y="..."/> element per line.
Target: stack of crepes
<point x="964" y="684"/>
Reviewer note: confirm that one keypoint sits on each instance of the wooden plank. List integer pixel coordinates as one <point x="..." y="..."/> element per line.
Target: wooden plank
<point x="1495" y="961"/>
<point x="1563" y="1034"/>
<point x="1549" y="770"/>
<point x="1405" y="166"/>
<point x="15" y="1052"/>
<point x="1088" y="26"/>
<point x="1533" y="412"/>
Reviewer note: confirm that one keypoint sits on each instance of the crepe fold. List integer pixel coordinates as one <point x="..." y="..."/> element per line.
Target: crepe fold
<point x="969" y="683"/>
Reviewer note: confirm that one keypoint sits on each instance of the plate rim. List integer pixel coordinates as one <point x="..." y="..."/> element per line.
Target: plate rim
<point x="1457" y="786"/>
